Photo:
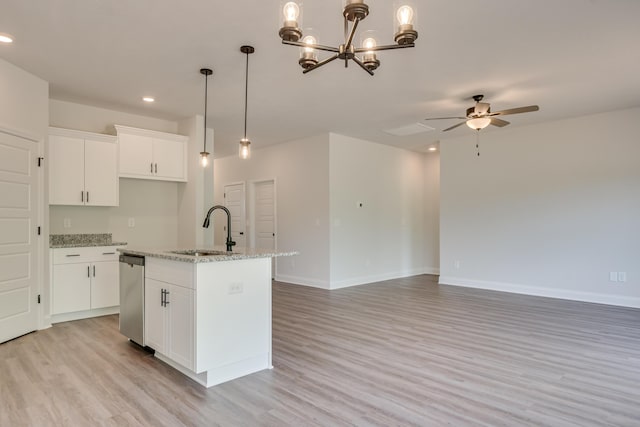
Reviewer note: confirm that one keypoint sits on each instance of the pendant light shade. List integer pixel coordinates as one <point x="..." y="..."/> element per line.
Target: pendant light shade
<point x="204" y="154"/>
<point x="244" y="150"/>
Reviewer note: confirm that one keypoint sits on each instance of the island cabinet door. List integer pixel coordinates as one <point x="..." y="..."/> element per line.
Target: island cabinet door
<point x="180" y="304"/>
<point x="155" y="319"/>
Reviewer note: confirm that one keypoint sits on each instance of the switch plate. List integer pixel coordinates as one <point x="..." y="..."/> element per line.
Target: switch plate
<point x="622" y="276"/>
<point x="236" y="288"/>
<point x="613" y="276"/>
<point x="131" y="222"/>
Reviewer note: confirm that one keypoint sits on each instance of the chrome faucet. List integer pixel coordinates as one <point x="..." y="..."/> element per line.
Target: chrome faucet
<point x="230" y="243"/>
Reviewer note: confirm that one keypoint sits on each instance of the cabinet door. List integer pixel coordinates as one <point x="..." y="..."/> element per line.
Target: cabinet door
<point x="169" y="158"/>
<point x="154" y="316"/>
<point x="66" y="170"/>
<point x="101" y="173"/>
<point x="71" y="288"/>
<point x="105" y="289"/>
<point x="136" y="155"/>
<point x="181" y="325"/>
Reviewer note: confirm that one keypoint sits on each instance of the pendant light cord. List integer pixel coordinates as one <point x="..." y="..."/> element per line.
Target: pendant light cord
<point x="206" y="80"/>
<point x="246" y="94"/>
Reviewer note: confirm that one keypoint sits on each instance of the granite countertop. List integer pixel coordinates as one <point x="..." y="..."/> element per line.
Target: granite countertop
<point x="220" y="255"/>
<point x="82" y="240"/>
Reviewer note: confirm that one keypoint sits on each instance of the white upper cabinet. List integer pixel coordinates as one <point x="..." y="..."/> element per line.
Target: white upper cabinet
<point x="150" y="154"/>
<point x="83" y="168"/>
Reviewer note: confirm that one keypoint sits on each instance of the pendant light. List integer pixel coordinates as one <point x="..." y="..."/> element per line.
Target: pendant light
<point x="204" y="154"/>
<point x="244" y="150"/>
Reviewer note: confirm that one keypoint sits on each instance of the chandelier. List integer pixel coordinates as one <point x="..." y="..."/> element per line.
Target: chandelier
<point x="354" y="12"/>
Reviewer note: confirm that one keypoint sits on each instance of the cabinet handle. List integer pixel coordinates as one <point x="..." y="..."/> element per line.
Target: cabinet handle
<point x="94" y="271"/>
<point x="162" y="297"/>
<point x="108" y="253"/>
<point x="87" y="197"/>
<point x="166" y="292"/>
<point x="156" y="168"/>
<point x="151" y="167"/>
<point x="82" y="196"/>
<point x="73" y="255"/>
<point x="88" y="271"/>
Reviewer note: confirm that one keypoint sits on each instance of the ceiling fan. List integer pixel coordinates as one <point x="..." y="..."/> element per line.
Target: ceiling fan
<point x="480" y="115"/>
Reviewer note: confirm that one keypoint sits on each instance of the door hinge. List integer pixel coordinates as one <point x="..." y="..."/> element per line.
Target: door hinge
<point x="224" y="195"/>
<point x="39" y="230"/>
<point x="38" y="298"/>
<point x="40" y="159"/>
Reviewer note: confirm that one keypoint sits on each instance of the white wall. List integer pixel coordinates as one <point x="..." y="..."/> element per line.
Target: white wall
<point x="197" y="193"/>
<point x="547" y="209"/>
<point x="152" y="204"/>
<point x="395" y="231"/>
<point x="301" y="171"/>
<point x="24" y="108"/>
<point x="71" y="115"/>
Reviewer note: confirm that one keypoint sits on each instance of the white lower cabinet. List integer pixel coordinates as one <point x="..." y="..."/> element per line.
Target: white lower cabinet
<point x="169" y="321"/>
<point x="84" y="279"/>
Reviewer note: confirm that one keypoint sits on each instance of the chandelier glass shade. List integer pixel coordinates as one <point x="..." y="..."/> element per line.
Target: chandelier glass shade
<point x="354" y="11"/>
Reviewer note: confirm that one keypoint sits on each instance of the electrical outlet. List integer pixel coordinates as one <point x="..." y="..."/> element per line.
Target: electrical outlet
<point x="236" y="288"/>
<point x="67" y="223"/>
<point x="131" y="222"/>
<point x="456" y="264"/>
<point x="622" y="276"/>
<point x="613" y="276"/>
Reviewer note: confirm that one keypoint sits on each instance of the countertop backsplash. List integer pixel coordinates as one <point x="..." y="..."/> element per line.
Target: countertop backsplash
<point x="82" y="240"/>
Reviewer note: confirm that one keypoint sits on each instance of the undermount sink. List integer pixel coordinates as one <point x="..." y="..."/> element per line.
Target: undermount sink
<point x="199" y="252"/>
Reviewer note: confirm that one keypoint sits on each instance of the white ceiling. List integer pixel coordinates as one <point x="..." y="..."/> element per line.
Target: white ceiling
<point x="571" y="57"/>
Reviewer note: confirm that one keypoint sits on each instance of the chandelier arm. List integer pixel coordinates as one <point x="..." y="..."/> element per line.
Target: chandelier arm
<point x="320" y="64"/>
<point x="357" y="61"/>
<point x="312" y="46"/>
<point x="352" y="33"/>
<point x="385" y="47"/>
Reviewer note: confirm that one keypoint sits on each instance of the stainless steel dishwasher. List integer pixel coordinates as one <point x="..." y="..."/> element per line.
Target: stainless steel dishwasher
<point x="132" y="297"/>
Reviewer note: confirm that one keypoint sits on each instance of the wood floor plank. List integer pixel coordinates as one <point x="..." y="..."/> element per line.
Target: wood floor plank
<point x="405" y="352"/>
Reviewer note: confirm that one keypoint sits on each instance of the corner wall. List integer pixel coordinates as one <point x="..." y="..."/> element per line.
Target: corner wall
<point x="548" y="209"/>
<point x="384" y="212"/>
<point x="301" y="172"/>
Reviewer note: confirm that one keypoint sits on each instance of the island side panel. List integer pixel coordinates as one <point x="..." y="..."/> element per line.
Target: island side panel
<point x="233" y="317"/>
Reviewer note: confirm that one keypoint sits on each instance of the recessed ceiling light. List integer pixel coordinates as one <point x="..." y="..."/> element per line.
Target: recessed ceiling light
<point x="6" y="38"/>
<point x="148" y="99"/>
<point x="433" y="148"/>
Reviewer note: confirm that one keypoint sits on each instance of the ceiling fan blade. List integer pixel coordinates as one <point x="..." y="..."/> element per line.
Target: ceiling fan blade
<point x="446" y="118"/>
<point x="454" y="126"/>
<point x="499" y="122"/>
<point x="518" y="110"/>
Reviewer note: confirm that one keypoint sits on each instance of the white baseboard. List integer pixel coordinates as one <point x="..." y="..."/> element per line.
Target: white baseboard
<point x="355" y="281"/>
<point x="77" y="315"/>
<point x="304" y="281"/>
<point x="618" y="300"/>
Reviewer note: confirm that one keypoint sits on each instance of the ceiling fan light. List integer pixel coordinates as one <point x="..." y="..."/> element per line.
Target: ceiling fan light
<point x="478" y="123"/>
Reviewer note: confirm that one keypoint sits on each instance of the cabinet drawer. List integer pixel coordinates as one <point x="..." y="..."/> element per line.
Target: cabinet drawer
<point x="90" y="254"/>
<point x="175" y="272"/>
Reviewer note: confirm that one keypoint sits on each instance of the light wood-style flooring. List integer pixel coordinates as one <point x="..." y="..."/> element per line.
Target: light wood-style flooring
<point x="404" y="352"/>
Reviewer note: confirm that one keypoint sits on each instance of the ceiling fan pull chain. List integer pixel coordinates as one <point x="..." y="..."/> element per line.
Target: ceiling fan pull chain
<point x="478" y="142"/>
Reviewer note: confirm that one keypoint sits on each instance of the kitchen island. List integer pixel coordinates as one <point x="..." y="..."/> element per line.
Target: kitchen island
<point x="208" y="311"/>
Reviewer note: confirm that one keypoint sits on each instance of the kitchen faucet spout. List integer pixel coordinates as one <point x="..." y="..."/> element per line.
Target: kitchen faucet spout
<point x="230" y="243"/>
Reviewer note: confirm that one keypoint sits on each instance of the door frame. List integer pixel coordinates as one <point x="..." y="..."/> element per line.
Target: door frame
<point x="250" y="209"/>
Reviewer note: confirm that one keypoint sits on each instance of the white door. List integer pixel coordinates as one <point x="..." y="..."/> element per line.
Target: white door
<point x="155" y="316"/>
<point x="18" y="236"/>
<point x="105" y="280"/>
<point x="265" y="218"/>
<point x="181" y="325"/>
<point x="136" y="155"/>
<point x="101" y="173"/>
<point x="234" y="201"/>
<point x="168" y="158"/>
<point x="72" y="289"/>
<point x="66" y="170"/>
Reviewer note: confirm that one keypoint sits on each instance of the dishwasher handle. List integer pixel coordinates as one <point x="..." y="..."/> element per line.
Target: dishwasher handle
<point x="132" y="260"/>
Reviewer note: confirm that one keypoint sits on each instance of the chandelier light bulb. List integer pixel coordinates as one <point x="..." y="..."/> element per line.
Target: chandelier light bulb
<point x="479" y="123"/>
<point x="309" y="40"/>
<point x="291" y="12"/>
<point x="368" y="43"/>
<point x="404" y="15"/>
